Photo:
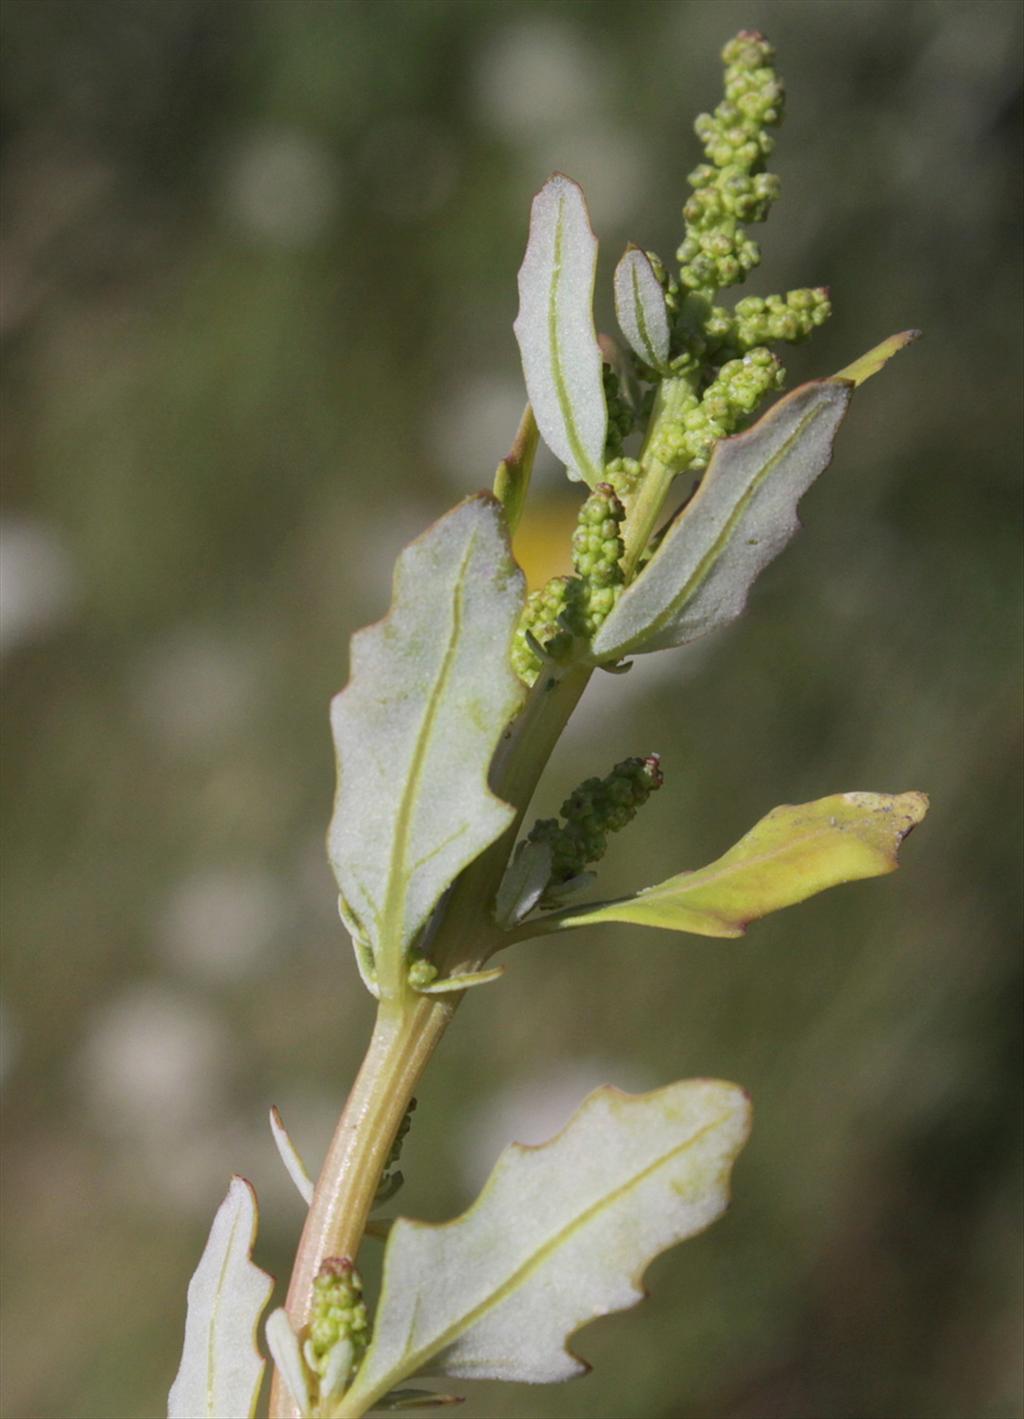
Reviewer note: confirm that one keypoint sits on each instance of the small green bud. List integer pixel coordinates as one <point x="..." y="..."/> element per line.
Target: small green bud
<point x="421" y="972"/>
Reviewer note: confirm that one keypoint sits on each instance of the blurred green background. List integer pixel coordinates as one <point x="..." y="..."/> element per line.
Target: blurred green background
<point x="259" y="278"/>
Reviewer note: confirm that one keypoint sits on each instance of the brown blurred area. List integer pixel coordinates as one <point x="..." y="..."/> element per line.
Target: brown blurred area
<point x="258" y="284"/>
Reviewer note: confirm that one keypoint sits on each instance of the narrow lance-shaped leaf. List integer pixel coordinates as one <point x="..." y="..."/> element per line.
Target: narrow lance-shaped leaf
<point x="555" y="329"/>
<point x="640" y="309"/>
<point x="430" y="694"/>
<point x="523" y="884"/>
<point x="740" y="519"/>
<point x="793" y="853"/>
<point x="290" y="1157"/>
<point x="560" y="1235"/>
<point x="221" y="1369"/>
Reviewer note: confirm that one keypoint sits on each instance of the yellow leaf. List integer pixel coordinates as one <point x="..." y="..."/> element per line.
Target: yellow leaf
<point x="794" y="852"/>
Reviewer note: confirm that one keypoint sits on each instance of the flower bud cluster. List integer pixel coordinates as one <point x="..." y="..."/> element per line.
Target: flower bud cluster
<point x="599" y="806"/>
<point x="621" y="415"/>
<point x="553" y="616"/>
<point x="596" y="550"/>
<point x="739" y="386"/>
<point x="731" y="187"/>
<point x="791" y="317"/>
<point x="572" y="607"/>
<point x="338" y="1314"/>
<point x="623" y="476"/>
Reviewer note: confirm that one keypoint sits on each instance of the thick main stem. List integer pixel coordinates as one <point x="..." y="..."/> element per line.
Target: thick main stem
<point x="399" y="1049"/>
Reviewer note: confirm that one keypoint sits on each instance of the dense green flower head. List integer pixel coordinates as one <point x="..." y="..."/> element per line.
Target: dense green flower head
<point x="599" y="806"/>
<point x="621" y="415"/>
<point x="731" y="186"/>
<point x="686" y="441"/>
<point x="338" y="1313"/>
<point x="551" y="619"/>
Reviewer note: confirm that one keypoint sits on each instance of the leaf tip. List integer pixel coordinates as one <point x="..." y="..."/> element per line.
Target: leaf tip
<point x="877" y="358"/>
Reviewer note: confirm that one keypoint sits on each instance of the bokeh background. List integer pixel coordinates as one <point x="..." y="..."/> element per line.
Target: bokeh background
<point x="259" y="278"/>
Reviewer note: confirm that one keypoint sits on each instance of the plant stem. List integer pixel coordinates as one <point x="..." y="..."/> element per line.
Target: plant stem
<point x="645" y="507"/>
<point x="399" y="1049"/>
<point x="468" y="935"/>
<point x="409" y="1027"/>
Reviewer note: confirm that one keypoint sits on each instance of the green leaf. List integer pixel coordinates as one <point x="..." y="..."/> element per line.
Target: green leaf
<point x="523" y="884"/>
<point x="555" y="329"/>
<point x="291" y="1157"/>
<point x="221" y="1369"/>
<point x="640" y="309"/>
<point x="560" y="1235"/>
<point x="793" y="853"/>
<point x="283" y="1344"/>
<point x="430" y="695"/>
<point x="877" y="358"/>
<point x="512" y="479"/>
<point x="741" y="517"/>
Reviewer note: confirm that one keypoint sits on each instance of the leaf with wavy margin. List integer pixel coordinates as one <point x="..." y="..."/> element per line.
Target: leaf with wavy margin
<point x="221" y="1369"/>
<point x="430" y="695"/>
<point x="560" y="1235"/>
<point x="555" y="329"/>
<point x="794" y="852"/>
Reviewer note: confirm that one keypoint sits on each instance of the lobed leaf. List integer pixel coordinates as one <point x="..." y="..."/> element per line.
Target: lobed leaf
<point x="640" y="309"/>
<point x="743" y="514"/>
<point x="430" y="695"/>
<point x="793" y="853"/>
<point x="221" y="1369"/>
<point x="560" y="1235"/>
<point x="555" y="329"/>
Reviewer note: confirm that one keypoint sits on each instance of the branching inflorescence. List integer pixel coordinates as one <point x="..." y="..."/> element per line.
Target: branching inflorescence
<point x="454" y="705"/>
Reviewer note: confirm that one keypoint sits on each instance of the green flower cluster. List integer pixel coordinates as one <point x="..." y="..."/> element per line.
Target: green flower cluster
<point x="550" y="619"/>
<point x="596" y="550"/>
<point x="791" y="317"/>
<point x="338" y="1314"/>
<point x="686" y="441"/>
<point x="621" y="415"/>
<point x="623" y="475"/>
<point x="599" y="806"/>
<point x="572" y="607"/>
<point x="731" y="187"/>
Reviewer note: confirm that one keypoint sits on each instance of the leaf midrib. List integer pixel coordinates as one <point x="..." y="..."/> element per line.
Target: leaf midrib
<point x="414" y="1361"/>
<point x="392" y="918"/>
<point x="579" y="453"/>
<point x="688" y="591"/>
